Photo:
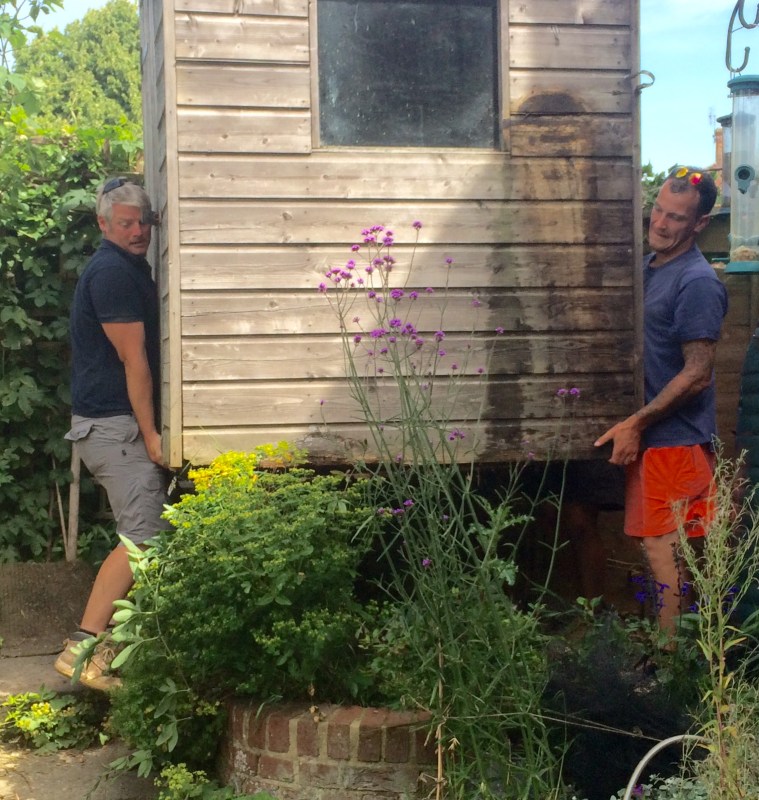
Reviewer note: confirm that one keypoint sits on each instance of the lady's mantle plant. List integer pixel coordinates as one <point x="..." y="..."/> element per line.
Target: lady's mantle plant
<point x="251" y="594"/>
<point x="452" y="642"/>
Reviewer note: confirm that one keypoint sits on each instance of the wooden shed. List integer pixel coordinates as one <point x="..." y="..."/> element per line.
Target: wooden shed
<point x="275" y="130"/>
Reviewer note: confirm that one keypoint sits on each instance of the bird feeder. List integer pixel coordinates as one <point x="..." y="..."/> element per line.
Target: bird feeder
<point x="744" y="175"/>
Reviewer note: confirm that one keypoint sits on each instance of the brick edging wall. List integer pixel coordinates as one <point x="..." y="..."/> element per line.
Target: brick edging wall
<point x="300" y="752"/>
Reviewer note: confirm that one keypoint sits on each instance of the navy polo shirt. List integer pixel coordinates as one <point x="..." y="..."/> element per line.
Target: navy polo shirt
<point x="683" y="300"/>
<point x="114" y="287"/>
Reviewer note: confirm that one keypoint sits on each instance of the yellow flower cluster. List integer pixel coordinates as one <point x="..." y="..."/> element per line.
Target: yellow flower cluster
<point x="240" y="469"/>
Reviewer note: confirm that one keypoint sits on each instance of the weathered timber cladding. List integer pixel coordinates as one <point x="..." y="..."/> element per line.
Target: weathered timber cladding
<point x="541" y="230"/>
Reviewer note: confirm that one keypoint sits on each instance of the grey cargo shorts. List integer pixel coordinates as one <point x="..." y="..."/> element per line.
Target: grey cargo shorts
<point x="113" y="450"/>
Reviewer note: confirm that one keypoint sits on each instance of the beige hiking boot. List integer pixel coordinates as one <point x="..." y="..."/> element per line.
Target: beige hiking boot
<point x="95" y="672"/>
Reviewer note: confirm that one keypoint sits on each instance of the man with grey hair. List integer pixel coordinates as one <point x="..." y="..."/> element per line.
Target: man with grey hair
<point x="115" y="381"/>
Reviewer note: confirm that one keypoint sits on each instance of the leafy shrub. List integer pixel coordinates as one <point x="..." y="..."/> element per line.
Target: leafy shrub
<point x="47" y="232"/>
<point x="178" y="783"/>
<point x="47" y="721"/>
<point x="251" y="593"/>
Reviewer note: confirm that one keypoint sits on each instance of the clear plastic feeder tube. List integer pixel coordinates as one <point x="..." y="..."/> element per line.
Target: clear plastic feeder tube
<point x="744" y="204"/>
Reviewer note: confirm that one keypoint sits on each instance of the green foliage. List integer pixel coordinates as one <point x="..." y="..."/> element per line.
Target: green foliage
<point x="651" y="183"/>
<point x="47" y="232"/>
<point x="17" y="20"/>
<point x="673" y="788"/>
<point x="47" y="721"/>
<point x="89" y="75"/>
<point x="179" y="783"/>
<point x="251" y="593"/>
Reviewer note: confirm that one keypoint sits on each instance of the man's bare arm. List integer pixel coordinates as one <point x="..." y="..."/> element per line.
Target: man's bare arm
<point x="693" y="378"/>
<point x="128" y="338"/>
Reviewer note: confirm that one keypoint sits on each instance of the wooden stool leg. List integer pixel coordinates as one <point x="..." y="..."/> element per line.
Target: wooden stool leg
<point x="71" y="535"/>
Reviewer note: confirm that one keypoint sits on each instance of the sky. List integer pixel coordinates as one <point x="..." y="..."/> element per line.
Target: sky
<point x="682" y="43"/>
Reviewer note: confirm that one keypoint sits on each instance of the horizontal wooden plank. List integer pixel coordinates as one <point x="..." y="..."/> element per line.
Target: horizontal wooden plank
<point x="244" y="85"/>
<point x="578" y="48"/>
<point x="290" y="358"/>
<point x="323" y="403"/>
<point x="241" y="38"/>
<point x="574" y="12"/>
<point x="243" y="131"/>
<point x="261" y="313"/>
<point x="285" y="8"/>
<point x="569" y="92"/>
<point x="237" y="268"/>
<point x="402" y="176"/>
<point x="580" y="135"/>
<point x="344" y="444"/>
<point x="445" y="222"/>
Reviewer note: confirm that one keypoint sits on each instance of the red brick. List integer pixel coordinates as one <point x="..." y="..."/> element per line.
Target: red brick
<point x="278" y="726"/>
<point x="236" y="721"/>
<point x="397" y="745"/>
<point x="425" y="751"/>
<point x="320" y="775"/>
<point x="345" y="715"/>
<point x="251" y="762"/>
<point x="339" y="731"/>
<point x="256" y="730"/>
<point x="276" y="769"/>
<point x="381" y="778"/>
<point x="307" y="737"/>
<point x="369" y="744"/>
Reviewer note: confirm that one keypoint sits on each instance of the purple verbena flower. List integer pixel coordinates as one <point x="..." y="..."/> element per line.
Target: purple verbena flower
<point x="417" y="225"/>
<point x="426" y="563"/>
<point x="397" y="294"/>
<point x="499" y="330"/>
<point x="439" y="336"/>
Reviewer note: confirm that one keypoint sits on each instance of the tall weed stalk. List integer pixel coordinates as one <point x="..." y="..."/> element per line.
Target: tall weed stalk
<point x="452" y="643"/>
<point x="726" y="579"/>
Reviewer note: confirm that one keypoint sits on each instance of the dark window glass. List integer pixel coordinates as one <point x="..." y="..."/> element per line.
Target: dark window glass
<point x="420" y="73"/>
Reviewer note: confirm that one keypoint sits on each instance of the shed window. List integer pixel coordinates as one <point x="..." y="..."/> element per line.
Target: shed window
<point x="408" y="72"/>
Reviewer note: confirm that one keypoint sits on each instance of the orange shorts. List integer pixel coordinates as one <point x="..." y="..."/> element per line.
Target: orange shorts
<point x="662" y="479"/>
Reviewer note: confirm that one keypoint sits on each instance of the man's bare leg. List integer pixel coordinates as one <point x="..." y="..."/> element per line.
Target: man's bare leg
<point x="113" y="581"/>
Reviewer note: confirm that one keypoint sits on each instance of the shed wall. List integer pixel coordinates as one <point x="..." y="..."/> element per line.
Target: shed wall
<point x="542" y="231"/>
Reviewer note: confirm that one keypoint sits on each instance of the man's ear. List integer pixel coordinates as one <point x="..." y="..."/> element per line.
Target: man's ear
<point x="102" y="223"/>
<point x="702" y="223"/>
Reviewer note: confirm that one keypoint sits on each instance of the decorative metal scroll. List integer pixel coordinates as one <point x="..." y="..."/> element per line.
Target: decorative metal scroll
<point x="739" y="14"/>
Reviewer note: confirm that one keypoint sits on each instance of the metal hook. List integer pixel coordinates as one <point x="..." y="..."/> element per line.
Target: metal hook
<point x="641" y="86"/>
<point x="739" y="13"/>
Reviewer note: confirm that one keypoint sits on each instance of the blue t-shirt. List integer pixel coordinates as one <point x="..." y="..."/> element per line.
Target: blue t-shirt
<point x="114" y="287"/>
<point x="683" y="300"/>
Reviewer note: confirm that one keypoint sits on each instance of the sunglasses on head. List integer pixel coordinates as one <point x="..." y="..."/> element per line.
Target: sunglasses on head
<point x="114" y="183"/>
<point x="150" y="218"/>
<point x="693" y="177"/>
